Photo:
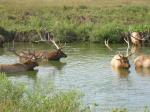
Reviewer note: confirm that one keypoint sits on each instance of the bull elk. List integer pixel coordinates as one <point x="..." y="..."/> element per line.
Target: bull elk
<point x="20" y="67"/>
<point x="49" y="55"/>
<point x="120" y="60"/>
<point x="136" y="39"/>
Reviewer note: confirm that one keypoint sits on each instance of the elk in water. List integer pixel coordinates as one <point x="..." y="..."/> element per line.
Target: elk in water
<point x="49" y="55"/>
<point x="142" y="61"/>
<point x="20" y="67"/>
<point x="136" y="39"/>
<point x="120" y="60"/>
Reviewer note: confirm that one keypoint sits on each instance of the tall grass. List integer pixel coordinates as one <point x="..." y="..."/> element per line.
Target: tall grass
<point x="76" y="20"/>
<point x="16" y="98"/>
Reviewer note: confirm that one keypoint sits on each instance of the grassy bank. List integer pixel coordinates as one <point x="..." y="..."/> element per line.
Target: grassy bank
<point x="69" y="20"/>
<point x="16" y="98"/>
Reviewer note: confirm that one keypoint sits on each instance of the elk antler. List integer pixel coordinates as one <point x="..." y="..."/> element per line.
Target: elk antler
<point x="62" y="46"/>
<point x="127" y="52"/>
<point x="53" y="41"/>
<point x="29" y="55"/>
<point x="106" y="44"/>
<point x="128" y="47"/>
<point x="41" y="39"/>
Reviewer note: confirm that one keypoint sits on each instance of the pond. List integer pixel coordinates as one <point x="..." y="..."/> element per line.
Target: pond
<point x="87" y="68"/>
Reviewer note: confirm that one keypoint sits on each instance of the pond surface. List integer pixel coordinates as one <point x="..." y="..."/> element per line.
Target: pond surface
<point x="87" y="68"/>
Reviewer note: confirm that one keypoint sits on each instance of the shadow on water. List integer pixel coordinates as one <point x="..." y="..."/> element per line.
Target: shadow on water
<point x="29" y="74"/>
<point x="56" y="64"/>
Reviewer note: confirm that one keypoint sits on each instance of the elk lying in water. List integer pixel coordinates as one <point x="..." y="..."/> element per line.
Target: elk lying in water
<point x="136" y="39"/>
<point x="19" y="67"/>
<point x="49" y="55"/>
<point x="142" y="61"/>
<point x="120" y="60"/>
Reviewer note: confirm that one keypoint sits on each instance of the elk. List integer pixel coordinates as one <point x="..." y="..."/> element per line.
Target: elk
<point x="142" y="61"/>
<point x="143" y="71"/>
<point x="49" y="55"/>
<point x="120" y="60"/>
<point x="136" y="39"/>
<point x="20" y="67"/>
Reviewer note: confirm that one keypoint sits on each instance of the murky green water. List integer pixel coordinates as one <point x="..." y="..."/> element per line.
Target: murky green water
<point x="87" y="68"/>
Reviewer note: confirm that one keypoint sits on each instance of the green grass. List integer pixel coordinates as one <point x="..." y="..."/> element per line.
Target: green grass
<point x="17" y="98"/>
<point x="76" y="20"/>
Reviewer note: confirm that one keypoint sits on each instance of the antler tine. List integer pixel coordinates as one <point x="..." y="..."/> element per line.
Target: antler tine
<point x="127" y="41"/>
<point x="106" y="44"/>
<point x="41" y="39"/>
<point x="63" y="45"/>
<point x="53" y="41"/>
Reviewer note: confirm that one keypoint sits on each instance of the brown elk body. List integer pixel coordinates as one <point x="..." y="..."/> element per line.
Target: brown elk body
<point x="119" y="61"/>
<point x="27" y="65"/>
<point x="18" y="67"/>
<point x="142" y="61"/>
<point x="48" y="55"/>
<point x="136" y="39"/>
<point x="51" y="55"/>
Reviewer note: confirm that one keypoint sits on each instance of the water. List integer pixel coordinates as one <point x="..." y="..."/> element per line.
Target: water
<point x="87" y="68"/>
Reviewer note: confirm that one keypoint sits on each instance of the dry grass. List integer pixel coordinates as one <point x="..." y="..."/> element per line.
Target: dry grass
<point x="95" y="3"/>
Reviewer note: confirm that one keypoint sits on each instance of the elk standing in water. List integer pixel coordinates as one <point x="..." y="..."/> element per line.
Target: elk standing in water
<point x="49" y="55"/>
<point x="19" y="67"/>
<point x="120" y="60"/>
<point x="136" y="39"/>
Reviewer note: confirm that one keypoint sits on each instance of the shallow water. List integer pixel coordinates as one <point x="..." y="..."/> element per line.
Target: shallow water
<point x="87" y="68"/>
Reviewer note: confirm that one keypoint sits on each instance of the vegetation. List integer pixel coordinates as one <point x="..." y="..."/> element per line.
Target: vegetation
<point x="76" y="20"/>
<point x="16" y="98"/>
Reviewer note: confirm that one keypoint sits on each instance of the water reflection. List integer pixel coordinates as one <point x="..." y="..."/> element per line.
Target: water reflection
<point x="123" y="73"/>
<point x="143" y="71"/>
<point x="29" y="74"/>
<point x="56" y="64"/>
<point x="1" y="51"/>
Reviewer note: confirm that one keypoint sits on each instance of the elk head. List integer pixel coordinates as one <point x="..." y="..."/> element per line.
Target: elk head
<point x="136" y="39"/>
<point x="120" y="60"/>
